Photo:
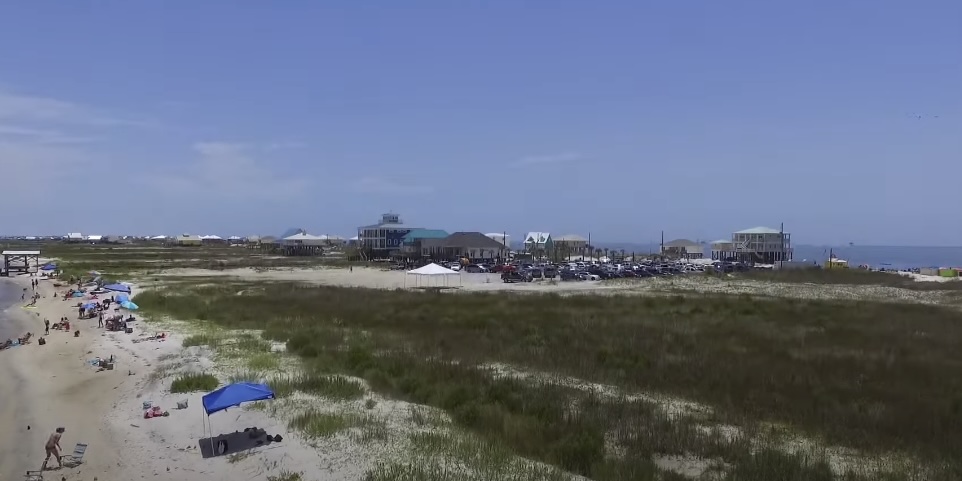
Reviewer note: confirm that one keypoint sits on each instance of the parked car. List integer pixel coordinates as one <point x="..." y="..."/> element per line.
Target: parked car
<point x="509" y="277"/>
<point x="569" y="275"/>
<point x="587" y="276"/>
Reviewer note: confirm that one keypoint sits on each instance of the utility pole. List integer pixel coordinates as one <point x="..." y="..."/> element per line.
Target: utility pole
<point x="781" y="236"/>
<point x="586" y="247"/>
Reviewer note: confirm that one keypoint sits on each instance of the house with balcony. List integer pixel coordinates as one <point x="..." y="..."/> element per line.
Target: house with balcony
<point x="762" y="245"/>
<point x="683" y="249"/>
<point x="722" y="250"/>
<point x="570" y="244"/>
<point x="381" y="239"/>
<point x="302" y="244"/>
<point x="538" y="243"/>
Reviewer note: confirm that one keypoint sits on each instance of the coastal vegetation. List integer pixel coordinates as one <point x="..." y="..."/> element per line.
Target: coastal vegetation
<point x="848" y="277"/>
<point x="194" y="382"/>
<point x="610" y="387"/>
<point x="120" y="261"/>
<point x="653" y="384"/>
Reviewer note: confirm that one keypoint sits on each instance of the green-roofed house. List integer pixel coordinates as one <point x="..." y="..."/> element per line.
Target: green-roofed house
<point x="411" y="242"/>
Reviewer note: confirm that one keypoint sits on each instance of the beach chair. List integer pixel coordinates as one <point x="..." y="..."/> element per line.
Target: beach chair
<point x="33" y="476"/>
<point x="77" y="457"/>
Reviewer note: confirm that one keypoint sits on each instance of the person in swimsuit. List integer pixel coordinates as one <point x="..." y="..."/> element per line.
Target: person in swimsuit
<point x="53" y="448"/>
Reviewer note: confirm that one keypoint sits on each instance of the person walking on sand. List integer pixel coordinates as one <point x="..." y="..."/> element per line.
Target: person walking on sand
<point x="53" y="448"/>
<point x="100" y="319"/>
<point x="46" y="327"/>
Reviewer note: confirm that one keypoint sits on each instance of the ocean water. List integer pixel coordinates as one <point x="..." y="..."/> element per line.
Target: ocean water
<point x="887" y="257"/>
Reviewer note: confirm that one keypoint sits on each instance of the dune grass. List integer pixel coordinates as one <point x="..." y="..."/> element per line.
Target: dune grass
<point x="852" y="277"/>
<point x="865" y="375"/>
<point x="124" y="261"/>
<point x="316" y="383"/>
<point x="317" y="424"/>
<point x="193" y="383"/>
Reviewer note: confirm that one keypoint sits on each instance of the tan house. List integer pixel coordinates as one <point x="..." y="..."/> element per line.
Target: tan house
<point x="683" y="248"/>
<point x="188" y="240"/>
<point x="571" y="244"/>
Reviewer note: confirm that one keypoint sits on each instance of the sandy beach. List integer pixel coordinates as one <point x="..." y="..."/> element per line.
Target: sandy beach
<point x="54" y="385"/>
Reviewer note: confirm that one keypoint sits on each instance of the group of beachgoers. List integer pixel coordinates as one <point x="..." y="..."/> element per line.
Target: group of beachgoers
<point x="25" y="339"/>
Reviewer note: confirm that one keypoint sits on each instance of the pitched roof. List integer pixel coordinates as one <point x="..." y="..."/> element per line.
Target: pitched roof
<point x="537" y="237"/>
<point x="302" y="236"/>
<point x="289" y="232"/>
<point x="433" y="269"/>
<point x="424" y="234"/>
<point x="759" y="230"/>
<point x="470" y="239"/>
<point x="682" y="243"/>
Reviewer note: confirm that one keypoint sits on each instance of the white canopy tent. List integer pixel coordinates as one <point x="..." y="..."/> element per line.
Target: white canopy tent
<point x="432" y="275"/>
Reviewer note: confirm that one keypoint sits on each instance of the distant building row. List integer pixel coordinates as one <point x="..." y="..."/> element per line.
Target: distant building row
<point x="762" y="245"/>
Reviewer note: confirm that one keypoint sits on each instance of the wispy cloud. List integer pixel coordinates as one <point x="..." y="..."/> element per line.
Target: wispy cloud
<point x="21" y="108"/>
<point x="41" y="136"/>
<point x="231" y="170"/>
<point x="548" y="159"/>
<point x="285" y="145"/>
<point x="377" y="185"/>
<point x="44" y="138"/>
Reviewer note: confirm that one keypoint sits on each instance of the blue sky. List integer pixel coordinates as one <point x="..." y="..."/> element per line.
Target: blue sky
<point x="622" y="118"/>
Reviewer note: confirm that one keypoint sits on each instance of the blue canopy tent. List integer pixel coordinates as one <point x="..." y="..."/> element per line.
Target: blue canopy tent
<point x="130" y="306"/>
<point x="122" y="298"/>
<point x="230" y="396"/>
<point x="117" y="288"/>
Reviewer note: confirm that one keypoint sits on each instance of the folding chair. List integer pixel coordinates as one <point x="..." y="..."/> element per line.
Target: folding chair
<point x="34" y="476"/>
<point x="77" y="457"/>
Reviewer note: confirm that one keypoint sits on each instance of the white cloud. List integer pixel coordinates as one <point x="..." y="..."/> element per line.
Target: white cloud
<point x="376" y="185"/>
<point x="230" y="170"/>
<point x="548" y="159"/>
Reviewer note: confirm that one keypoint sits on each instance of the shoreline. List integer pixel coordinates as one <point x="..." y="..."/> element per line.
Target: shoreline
<point x="48" y="388"/>
<point x="56" y="385"/>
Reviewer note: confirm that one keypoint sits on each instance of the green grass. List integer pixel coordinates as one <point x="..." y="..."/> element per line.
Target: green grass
<point x="327" y="386"/>
<point x="852" y="277"/>
<point x="856" y="374"/>
<point x="126" y="261"/>
<point x="193" y="383"/>
<point x="286" y="475"/>
<point x="209" y="340"/>
<point x="317" y="424"/>
<point x="264" y="361"/>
